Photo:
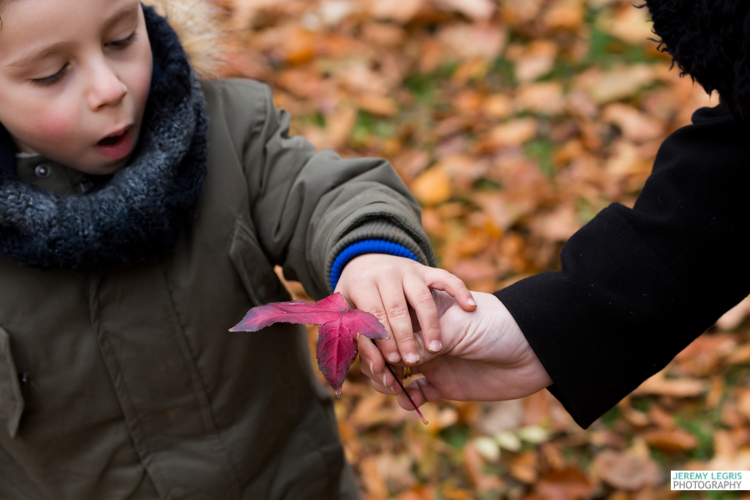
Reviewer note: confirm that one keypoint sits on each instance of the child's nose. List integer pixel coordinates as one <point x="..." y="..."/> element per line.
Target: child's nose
<point x="106" y="89"/>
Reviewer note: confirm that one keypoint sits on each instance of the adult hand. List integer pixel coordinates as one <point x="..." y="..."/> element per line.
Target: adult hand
<point x="485" y="357"/>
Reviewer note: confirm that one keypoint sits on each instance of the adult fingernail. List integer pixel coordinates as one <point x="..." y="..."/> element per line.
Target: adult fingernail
<point x="390" y="388"/>
<point x="394" y="358"/>
<point x="384" y="381"/>
<point x="435" y="345"/>
<point x="471" y="302"/>
<point x="372" y="370"/>
<point x="412" y="358"/>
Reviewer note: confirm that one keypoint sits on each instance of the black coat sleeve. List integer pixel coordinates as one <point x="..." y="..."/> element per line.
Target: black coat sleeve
<point x="638" y="285"/>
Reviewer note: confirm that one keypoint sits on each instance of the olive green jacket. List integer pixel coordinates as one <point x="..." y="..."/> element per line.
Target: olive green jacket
<point x="126" y="384"/>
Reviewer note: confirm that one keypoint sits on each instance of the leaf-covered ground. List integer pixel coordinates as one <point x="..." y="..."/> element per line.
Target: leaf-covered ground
<point x="513" y="122"/>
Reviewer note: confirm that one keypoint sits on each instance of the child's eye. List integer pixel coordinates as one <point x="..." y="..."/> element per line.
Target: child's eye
<point x="121" y="44"/>
<point x="52" y="79"/>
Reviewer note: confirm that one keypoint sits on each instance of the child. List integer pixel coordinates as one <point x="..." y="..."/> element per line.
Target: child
<point x="637" y="285"/>
<point x="141" y="214"/>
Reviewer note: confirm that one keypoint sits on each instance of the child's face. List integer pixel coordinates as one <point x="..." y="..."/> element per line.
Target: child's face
<point x="74" y="79"/>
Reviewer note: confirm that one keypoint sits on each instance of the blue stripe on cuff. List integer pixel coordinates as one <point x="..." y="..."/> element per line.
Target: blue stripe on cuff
<point x="363" y="247"/>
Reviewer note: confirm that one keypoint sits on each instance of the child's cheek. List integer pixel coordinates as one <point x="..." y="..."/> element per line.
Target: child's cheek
<point x="141" y="82"/>
<point x="55" y="127"/>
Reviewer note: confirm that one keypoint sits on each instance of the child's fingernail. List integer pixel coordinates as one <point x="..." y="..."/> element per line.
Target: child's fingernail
<point x="412" y="358"/>
<point x="391" y="389"/>
<point x="385" y="384"/>
<point x="372" y="370"/>
<point x="435" y="345"/>
<point x="471" y="302"/>
<point x="394" y="358"/>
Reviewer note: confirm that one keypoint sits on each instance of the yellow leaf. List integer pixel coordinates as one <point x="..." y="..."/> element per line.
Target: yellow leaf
<point x="432" y="187"/>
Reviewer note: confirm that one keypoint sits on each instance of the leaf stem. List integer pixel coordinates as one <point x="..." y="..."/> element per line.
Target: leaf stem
<point x="407" y="393"/>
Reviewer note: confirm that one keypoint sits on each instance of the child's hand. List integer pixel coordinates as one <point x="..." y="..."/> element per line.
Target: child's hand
<point x="386" y="286"/>
<point x="485" y="357"/>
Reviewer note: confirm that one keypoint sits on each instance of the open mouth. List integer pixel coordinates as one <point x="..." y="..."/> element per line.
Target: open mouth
<point x="113" y="139"/>
<point x="118" y="145"/>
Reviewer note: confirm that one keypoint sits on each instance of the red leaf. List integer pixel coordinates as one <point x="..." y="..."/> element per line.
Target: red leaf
<point x="339" y="325"/>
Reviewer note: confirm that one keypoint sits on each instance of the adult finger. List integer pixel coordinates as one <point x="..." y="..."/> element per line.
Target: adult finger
<point x="421" y="300"/>
<point x="439" y="279"/>
<point x="370" y="356"/>
<point x="383" y="382"/>
<point x="421" y="391"/>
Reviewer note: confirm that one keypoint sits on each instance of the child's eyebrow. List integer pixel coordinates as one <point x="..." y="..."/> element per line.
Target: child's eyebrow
<point x="30" y="57"/>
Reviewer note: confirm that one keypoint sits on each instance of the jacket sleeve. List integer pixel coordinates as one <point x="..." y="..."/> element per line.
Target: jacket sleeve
<point x="638" y="285"/>
<point x="308" y="206"/>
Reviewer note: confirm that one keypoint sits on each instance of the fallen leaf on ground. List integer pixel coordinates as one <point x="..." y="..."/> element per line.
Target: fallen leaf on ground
<point x="483" y="481"/>
<point x="671" y="440"/>
<point x="626" y="471"/>
<point x="565" y="484"/>
<point x="680" y="388"/>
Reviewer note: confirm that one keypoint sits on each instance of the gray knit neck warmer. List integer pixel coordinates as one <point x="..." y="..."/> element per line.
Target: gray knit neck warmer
<point x="142" y="210"/>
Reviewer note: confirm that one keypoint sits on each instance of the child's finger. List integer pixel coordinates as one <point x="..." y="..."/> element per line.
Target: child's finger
<point x="422" y="302"/>
<point x="440" y="279"/>
<point x="367" y="298"/>
<point x="397" y="308"/>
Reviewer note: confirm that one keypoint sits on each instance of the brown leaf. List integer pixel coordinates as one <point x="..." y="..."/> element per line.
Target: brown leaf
<point x="704" y="353"/>
<point x="535" y="408"/>
<point x="634" y="125"/>
<point x="630" y="24"/>
<point x="743" y="403"/>
<point x="616" y="84"/>
<point x="545" y="98"/>
<point x="671" y="440"/>
<point x="565" y="484"/>
<point x="396" y="471"/>
<point x="432" y="187"/>
<point x="517" y="12"/>
<point x="660" y="417"/>
<point x="535" y="61"/>
<point x="626" y="471"/>
<point x="378" y="104"/>
<point x="475" y="471"/>
<point x="679" y="388"/>
<point x="401" y="11"/>
<point x="524" y="466"/>
<point x="474" y="270"/>
<point x="739" y="356"/>
<point x="499" y="416"/>
<point x="736" y="315"/>
<point x="373" y="481"/>
<point x="513" y="133"/>
<point x="383" y="34"/>
<point x="558" y="225"/>
<point x="564" y="15"/>
<point x="634" y="417"/>
<point x="478" y="10"/>
<point x="466" y="41"/>
<point x="497" y="106"/>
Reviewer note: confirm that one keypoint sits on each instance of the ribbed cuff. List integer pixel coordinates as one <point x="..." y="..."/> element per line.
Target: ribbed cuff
<point x="363" y="247"/>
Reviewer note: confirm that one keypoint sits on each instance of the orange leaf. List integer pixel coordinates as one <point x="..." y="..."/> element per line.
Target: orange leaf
<point x="565" y="484"/>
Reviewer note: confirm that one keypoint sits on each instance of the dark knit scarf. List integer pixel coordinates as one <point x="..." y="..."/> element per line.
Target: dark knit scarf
<point x="142" y="210"/>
